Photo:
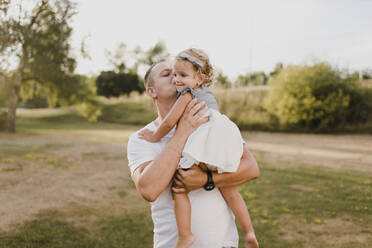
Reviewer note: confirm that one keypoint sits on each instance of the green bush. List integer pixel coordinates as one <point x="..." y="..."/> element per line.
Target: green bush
<point x="35" y="102"/>
<point x="317" y="97"/>
<point x="90" y="109"/>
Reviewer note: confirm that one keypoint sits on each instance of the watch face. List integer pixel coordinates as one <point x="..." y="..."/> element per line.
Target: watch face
<point x="209" y="186"/>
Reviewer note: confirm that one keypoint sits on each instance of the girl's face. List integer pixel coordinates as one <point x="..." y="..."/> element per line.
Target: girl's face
<point x="185" y="76"/>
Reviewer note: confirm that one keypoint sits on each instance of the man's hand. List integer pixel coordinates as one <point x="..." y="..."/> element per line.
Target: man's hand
<point x="188" y="180"/>
<point x="147" y="135"/>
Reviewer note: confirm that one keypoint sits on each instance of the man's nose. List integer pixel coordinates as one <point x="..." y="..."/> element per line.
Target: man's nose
<point x="174" y="79"/>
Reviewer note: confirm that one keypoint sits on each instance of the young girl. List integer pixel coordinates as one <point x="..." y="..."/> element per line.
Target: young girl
<point x="217" y="143"/>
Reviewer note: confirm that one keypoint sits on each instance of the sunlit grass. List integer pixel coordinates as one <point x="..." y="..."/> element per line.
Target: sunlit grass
<point x="282" y="202"/>
<point x="67" y="121"/>
<point x="126" y="231"/>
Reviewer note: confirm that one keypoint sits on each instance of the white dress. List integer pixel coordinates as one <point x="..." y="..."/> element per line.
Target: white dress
<point x="217" y="143"/>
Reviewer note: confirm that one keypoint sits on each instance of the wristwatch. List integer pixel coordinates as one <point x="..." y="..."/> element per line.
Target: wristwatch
<point x="210" y="184"/>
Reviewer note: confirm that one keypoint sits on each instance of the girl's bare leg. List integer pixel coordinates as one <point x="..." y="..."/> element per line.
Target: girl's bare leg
<point x="182" y="209"/>
<point x="238" y="207"/>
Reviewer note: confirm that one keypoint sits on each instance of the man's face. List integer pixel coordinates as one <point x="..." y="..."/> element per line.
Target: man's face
<point x="162" y="77"/>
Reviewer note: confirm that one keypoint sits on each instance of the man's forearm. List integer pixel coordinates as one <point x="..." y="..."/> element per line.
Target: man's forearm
<point x="157" y="175"/>
<point x="195" y="178"/>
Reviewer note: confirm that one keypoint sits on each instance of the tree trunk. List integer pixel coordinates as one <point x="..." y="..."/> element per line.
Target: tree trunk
<point x="10" y="125"/>
<point x="12" y="108"/>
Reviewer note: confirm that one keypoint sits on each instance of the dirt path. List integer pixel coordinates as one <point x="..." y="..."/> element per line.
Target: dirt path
<point x="341" y="152"/>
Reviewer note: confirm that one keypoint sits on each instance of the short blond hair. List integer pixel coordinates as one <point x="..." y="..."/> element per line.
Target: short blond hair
<point x="148" y="80"/>
<point x="206" y="70"/>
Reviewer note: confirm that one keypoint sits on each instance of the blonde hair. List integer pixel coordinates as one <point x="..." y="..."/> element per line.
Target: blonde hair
<point x="206" y="70"/>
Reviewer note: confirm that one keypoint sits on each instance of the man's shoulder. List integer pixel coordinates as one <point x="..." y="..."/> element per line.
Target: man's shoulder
<point x="140" y="151"/>
<point x="134" y="136"/>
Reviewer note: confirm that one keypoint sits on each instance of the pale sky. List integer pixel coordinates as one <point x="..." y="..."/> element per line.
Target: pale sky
<point x="239" y="36"/>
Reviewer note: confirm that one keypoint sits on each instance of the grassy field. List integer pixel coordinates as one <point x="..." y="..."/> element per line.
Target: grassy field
<point x="64" y="182"/>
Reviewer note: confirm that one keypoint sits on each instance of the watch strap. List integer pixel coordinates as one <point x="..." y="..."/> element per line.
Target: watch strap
<point x="210" y="184"/>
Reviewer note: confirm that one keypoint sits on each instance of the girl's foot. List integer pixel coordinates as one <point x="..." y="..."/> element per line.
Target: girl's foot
<point x="185" y="241"/>
<point x="250" y="240"/>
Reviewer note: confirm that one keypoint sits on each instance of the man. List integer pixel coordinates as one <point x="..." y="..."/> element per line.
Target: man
<point x="153" y="166"/>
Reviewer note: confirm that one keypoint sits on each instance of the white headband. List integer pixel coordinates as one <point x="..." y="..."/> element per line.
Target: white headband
<point x="198" y="63"/>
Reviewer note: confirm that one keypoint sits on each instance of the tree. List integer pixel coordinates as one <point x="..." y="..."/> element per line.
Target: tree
<point x="222" y="80"/>
<point x="120" y="58"/>
<point x="255" y="78"/>
<point x="129" y="61"/>
<point x="278" y="67"/>
<point x="3" y="93"/>
<point x="366" y="74"/>
<point x="242" y="80"/>
<point x="110" y="83"/>
<point x="3" y="97"/>
<point x="157" y="52"/>
<point x="38" y="39"/>
<point x="124" y="77"/>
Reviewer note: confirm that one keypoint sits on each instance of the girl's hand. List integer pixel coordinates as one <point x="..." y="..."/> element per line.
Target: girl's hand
<point x="147" y="135"/>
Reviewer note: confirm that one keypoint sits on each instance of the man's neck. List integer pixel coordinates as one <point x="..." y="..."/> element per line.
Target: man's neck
<point x="163" y="108"/>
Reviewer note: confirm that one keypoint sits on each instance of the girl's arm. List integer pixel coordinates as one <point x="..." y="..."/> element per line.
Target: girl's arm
<point x="153" y="177"/>
<point x="169" y="121"/>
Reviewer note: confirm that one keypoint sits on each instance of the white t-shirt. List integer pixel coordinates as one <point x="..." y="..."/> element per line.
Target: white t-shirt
<point x="212" y="221"/>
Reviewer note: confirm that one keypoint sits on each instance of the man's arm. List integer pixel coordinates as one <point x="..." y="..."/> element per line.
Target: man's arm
<point x="152" y="177"/>
<point x="195" y="178"/>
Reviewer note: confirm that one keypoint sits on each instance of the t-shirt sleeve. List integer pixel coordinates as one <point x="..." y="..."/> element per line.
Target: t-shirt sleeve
<point x="139" y="151"/>
<point x="243" y="141"/>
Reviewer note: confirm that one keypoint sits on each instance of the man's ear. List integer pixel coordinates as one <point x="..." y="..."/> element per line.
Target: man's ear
<point x="150" y="91"/>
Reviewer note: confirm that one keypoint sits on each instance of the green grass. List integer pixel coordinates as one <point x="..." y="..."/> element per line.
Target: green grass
<point x="276" y="206"/>
<point x="127" y="231"/>
<point x="65" y="121"/>
<point x="120" y="191"/>
<point x="17" y="167"/>
<point x="131" y="113"/>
